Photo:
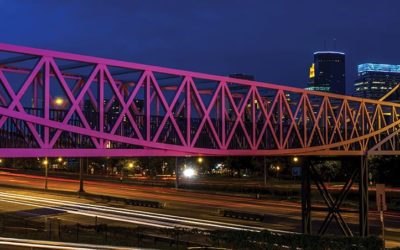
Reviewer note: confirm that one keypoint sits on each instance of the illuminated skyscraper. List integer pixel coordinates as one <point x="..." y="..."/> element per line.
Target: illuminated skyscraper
<point x="375" y="80"/>
<point x="327" y="73"/>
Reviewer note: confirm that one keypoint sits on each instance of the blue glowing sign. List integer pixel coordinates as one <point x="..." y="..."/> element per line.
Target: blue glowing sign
<point x="378" y="68"/>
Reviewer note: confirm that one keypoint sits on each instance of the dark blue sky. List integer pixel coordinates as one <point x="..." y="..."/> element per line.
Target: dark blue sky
<point x="273" y="40"/>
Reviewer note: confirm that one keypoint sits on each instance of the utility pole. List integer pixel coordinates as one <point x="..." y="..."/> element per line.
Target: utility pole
<point x="265" y="171"/>
<point x="82" y="161"/>
<point x="46" y="166"/>
<point x="176" y="173"/>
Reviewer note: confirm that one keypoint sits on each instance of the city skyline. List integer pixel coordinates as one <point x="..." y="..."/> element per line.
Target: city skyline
<point x="190" y="124"/>
<point x="272" y="41"/>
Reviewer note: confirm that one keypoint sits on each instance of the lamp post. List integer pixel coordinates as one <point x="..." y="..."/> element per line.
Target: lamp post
<point x="278" y="168"/>
<point x="200" y="161"/>
<point x="46" y="164"/>
<point x="176" y="173"/>
<point x="82" y="161"/>
<point x="164" y="166"/>
<point x="265" y="171"/>
<point x="130" y="167"/>
<point x="296" y="169"/>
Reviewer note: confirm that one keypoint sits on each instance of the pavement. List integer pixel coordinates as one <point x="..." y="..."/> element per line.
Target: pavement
<point x="279" y="214"/>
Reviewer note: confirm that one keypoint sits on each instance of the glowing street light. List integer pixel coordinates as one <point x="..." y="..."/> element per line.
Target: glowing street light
<point x="200" y="160"/>
<point x="278" y="168"/>
<point x="189" y="172"/>
<point x="58" y="101"/>
<point x="45" y="162"/>
<point x="1" y="160"/>
<point x="59" y="159"/>
<point x="295" y="159"/>
<point x="130" y="165"/>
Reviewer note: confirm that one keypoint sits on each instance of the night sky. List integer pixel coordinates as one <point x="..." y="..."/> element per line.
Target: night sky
<point x="273" y="40"/>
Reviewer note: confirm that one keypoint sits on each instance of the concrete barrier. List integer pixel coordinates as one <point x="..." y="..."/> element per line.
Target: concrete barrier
<point x="243" y="215"/>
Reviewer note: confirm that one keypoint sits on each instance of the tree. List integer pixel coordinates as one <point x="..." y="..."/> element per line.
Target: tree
<point x="328" y="170"/>
<point x="385" y="169"/>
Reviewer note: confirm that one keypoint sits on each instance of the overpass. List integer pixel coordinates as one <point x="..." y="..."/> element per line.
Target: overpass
<point x="60" y="104"/>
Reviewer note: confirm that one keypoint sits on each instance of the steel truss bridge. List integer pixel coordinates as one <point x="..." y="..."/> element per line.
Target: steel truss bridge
<point x="60" y="104"/>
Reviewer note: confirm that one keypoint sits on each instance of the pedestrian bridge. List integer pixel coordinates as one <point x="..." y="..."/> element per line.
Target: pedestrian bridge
<point x="61" y="104"/>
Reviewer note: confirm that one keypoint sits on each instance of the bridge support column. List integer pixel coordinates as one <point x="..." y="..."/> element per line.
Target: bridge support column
<point x="176" y="173"/>
<point x="306" y="198"/>
<point x="363" y="194"/>
<point x="82" y="162"/>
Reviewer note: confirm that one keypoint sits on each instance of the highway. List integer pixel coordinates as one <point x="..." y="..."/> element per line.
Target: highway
<point x="183" y="208"/>
<point x="136" y="217"/>
<point x="14" y="243"/>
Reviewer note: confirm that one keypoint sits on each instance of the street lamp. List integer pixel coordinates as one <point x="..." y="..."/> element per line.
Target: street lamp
<point x="130" y="165"/>
<point x="200" y="161"/>
<point x="45" y="163"/>
<point x="295" y="159"/>
<point x="277" y="171"/>
<point x="164" y="166"/>
<point x="59" y="159"/>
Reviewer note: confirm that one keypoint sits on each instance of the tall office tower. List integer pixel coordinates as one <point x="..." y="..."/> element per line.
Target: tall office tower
<point x="327" y="73"/>
<point x="375" y="80"/>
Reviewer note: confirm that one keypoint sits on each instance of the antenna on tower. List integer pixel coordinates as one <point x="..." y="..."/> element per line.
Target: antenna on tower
<point x="324" y="44"/>
<point x="334" y="43"/>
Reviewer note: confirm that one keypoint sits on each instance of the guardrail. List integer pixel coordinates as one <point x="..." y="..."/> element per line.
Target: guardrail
<point x="242" y="215"/>
<point x="133" y="202"/>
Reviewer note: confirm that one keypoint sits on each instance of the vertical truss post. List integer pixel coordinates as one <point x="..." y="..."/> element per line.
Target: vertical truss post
<point x="363" y="194"/>
<point x="306" y="198"/>
<point x="188" y="113"/>
<point x="46" y="100"/>
<point x="101" y="105"/>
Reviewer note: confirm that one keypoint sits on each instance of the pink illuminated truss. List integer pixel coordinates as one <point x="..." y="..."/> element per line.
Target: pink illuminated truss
<point x="59" y="104"/>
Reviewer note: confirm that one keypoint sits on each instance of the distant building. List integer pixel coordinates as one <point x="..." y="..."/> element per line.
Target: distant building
<point x="327" y="73"/>
<point x="239" y="88"/>
<point x="375" y="80"/>
<point x="242" y="76"/>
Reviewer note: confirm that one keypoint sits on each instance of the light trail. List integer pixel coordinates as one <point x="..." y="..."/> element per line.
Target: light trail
<point x="125" y="215"/>
<point x="84" y="213"/>
<point x="55" y="244"/>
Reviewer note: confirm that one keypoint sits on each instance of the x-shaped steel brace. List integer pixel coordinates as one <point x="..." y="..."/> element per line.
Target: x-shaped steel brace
<point x="333" y="205"/>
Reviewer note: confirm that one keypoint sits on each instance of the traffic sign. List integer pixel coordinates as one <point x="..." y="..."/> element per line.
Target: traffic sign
<point x="380" y="197"/>
<point x="296" y="171"/>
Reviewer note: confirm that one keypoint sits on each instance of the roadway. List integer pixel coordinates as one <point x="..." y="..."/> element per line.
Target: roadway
<point x="183" y="208"/>
<point x="20" y="244"/>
